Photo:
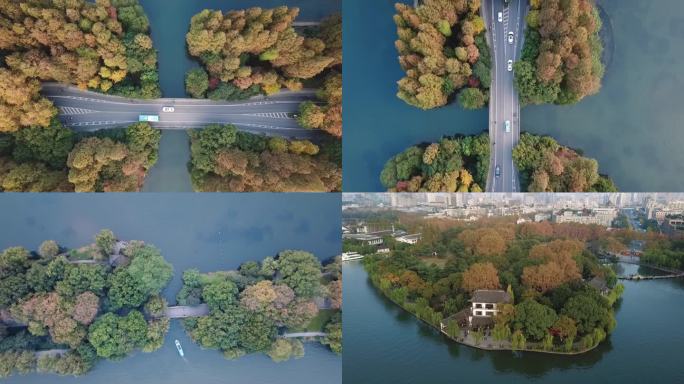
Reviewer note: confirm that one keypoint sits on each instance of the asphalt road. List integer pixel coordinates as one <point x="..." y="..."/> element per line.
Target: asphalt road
<point x="91" y="111"/>
<point x="504" y="103"/>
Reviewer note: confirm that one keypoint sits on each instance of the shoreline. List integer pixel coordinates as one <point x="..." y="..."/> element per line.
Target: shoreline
<point x="607" y="37"/>
<point x="480" y="347"/>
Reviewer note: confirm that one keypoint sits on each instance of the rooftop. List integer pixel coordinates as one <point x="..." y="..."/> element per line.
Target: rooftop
<point x="361" y="237"/>
<point x="412" y="236"/>
<point x="490" y="296"/>
<point x="598" y="283"/>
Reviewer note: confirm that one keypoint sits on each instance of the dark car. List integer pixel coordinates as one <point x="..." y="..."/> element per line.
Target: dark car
<point x="497" y="171"/>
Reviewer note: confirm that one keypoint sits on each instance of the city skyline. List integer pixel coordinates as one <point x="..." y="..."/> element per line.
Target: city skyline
<point x="588" y="200"/>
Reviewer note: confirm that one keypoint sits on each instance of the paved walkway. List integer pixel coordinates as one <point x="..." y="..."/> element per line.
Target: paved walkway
<point x="181" y="311"/>
<point x="50" y="353"/>
<point x="303" y="334"/>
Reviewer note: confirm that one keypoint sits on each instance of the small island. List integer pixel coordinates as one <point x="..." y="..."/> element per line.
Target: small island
<point x="460" y="164"/>
<point x="561" y="58"/>
<point x="61" y="310"/>
<point x="442" y="48"/>
<point x="547" y="166"/>
<point x="266" y="307"/>
<point x="497" y="285"/>
<point x="453" y="164"/>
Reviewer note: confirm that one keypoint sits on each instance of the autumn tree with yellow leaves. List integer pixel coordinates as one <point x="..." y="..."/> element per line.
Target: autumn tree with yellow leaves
<point x="102" y="46"/>
<point x="260" y="49"/>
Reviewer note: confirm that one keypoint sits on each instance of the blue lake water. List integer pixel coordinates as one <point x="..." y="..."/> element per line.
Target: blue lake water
<point x="206" y="231"/>
<point x="633" y="127"/>
<point x="384" y="344"/>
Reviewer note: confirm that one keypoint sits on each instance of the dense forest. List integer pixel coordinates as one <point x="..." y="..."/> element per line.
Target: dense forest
<point x="442" y="49"/>
<point x="546" y="166"/>
<point x="56" y="159"/>
<point x="225" y="159"/>
<point x="544" y="267"/>
<point x="103" y="46"/>
<point x="561" y="58"/>
<point x="251" y="306"/>
<point x="665" y="252"/>
<point x="454" y="164"/>
<point x="257" y="50"/>
<point x="63" y="310"/>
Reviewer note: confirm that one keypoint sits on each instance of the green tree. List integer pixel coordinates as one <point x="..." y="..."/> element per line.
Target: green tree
<point x="518" y="340"/>
<point x="257" y="333"/>
<point x="533" y="319"/>
<point x="588" y="310"/>
<point x="220" y="295"/>
<point x="50" y="145"/>
<point x="300" y="271"/>
<point x="48" y="249"/>
<point x="125" y="292"/>
<point x="197" y="82"/>
<point x="333" y="339"/>
<point x="114" y="337"/>
<point x="221" y="329"/>
<point x="285" y="349"/>
<point x="471" y="98"/>
<point x="149" y="270"/>
<point x="105" y="241"/>
<point x="80" y="278"/>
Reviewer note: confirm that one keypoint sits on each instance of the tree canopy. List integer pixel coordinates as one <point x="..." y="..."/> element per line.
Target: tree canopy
<point x="260" y="48"/>
<point x="249" y="305"/>
<point x="439" y="44"/>
<point x="561" y="58"/>
<point x="224" y="159"/>
<point x="72" y="299"/>
<point x="546" y="166"/>
<point x="454" y="164"/>
<point x="101" y="45"/>
<point x="544" y="267"/>
<point x="53" y="159"/>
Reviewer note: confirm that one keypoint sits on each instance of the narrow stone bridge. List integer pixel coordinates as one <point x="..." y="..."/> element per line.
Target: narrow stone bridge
<point x="183" y="311"/>
<point x="306" y="23"/>
<point x="671" y="273"/>
<point x="50" y="353"/>
<point x="650" y="277"/>
<point x="303" y="334"/>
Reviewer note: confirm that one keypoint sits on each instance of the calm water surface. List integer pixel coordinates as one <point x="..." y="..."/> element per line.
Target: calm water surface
<point x="170" y="21"/>
<point x="171" y="174"/>
<point x="206" y="231"/>
<point x="377" y="124"/>
<point x="633" y="127"/>
<point x="384" y="344"/>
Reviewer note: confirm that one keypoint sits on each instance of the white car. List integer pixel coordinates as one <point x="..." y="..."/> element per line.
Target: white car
<point x="507" y="125"/>
<point x="168" y="109"/>
<point x="500" y="17"/>
<point x="511" y="37"/>
<point x="510" y="65"/>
